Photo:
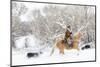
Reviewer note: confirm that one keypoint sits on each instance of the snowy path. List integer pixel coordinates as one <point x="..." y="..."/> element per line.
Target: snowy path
<point x="69" y="56"/>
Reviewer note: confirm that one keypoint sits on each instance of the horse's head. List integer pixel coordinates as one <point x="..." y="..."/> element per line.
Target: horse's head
<point x="77" y="36"/>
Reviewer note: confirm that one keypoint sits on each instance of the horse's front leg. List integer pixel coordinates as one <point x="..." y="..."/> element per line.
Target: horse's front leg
<point x="78" y="49"/>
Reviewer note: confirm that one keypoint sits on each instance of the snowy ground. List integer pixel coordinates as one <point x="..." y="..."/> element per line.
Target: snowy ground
<point x="20" y="58"/>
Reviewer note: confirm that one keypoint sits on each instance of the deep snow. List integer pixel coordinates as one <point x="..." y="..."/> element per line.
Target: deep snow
<point x="19" y="55"/>
<point x="20" y="58"/>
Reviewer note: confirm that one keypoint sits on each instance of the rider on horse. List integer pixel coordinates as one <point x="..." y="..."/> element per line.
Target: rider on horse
<point x="68" y="39"/>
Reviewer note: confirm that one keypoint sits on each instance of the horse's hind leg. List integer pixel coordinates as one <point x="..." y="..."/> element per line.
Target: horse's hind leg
<point x="61" y="51"/>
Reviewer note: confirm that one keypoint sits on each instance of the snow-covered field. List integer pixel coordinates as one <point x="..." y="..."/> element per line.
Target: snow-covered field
<point x="20" y="57"/>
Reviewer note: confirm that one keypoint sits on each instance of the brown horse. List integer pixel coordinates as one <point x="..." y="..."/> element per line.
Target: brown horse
<point x="61" y="44"/>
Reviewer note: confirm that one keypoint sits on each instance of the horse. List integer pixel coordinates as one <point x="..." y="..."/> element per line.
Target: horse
<point x="61" y="45"/>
